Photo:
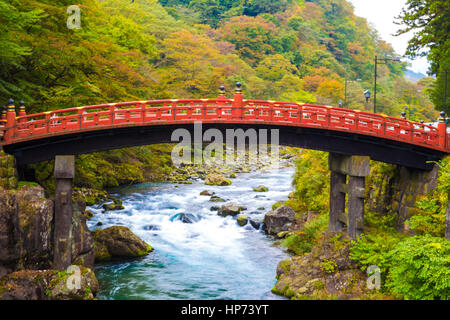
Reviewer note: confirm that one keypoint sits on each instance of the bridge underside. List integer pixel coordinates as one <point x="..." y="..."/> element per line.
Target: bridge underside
<point x="310" y="138"/>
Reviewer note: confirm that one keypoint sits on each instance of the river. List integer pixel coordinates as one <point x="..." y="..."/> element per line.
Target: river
<point x="213" y="258"/>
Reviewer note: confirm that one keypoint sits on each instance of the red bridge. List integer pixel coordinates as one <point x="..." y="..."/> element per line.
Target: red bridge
<point x="38" y="137"/>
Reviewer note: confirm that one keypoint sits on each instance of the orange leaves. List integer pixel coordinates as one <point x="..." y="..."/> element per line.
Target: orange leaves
<point x="331" y="89"/>
<point x="253" y="37"/>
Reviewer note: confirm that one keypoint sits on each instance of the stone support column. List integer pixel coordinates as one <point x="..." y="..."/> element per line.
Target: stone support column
<point x="64" y="174"/>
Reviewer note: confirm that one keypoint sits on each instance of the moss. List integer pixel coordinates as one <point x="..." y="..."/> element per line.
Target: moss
<point x="144" y="252"/>
<point x="26" y="183"/>
<point x="277" y="205"/>
<point x="112" y="168"/>
<point x="285" y="265"/>
<point x="319" y="285"/>
<point x="329" y="266"/>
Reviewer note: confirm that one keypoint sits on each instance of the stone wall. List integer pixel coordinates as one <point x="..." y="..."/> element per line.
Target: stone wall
<point x="395" y="189"/>
<point x="8" y="171"/>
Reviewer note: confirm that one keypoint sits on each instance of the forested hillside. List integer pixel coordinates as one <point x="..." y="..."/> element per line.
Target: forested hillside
<point x="291" y="50"/>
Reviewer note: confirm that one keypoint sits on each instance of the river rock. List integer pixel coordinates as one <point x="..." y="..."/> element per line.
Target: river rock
<point x="214" y="208"/>
<point x="279" y="220"/>
<point x="230" y="209"/>
<point x="261" y="188"/>
<point x="118" y="242"/>
<point x="216" y="199"/>
<point x="185" y="218"/>
<point x="255" y="224"/>
<point x="115" y="205"/>
<point x="152" y="227"/>
<point x="48" y="285"/>
<point x="217" y="180"/>
<point x="242" y="220"/>
<point x="206" y="193"/>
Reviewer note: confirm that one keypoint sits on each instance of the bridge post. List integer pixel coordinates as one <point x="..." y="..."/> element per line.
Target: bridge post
<point x="442" y="130"/>
<point x="10" y="120"/>
<point x="337" y="200"/>
<point x="64" y="174"/>
<point x="237" y="110"/>
<point x="22" y="111"/>
<point x="357" y="168"/>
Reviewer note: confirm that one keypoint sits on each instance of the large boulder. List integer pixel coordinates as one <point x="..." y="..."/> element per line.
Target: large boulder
<point x="49" y="285"/>
<point x="217" y="180"/>
<point x="118" y="242"/>
<point x="230" y="209"/>
<point x="279" y="220"/>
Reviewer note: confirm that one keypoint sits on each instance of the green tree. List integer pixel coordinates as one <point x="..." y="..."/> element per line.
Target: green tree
<point x="14" y="43"/>
<point x="430" y="21"/>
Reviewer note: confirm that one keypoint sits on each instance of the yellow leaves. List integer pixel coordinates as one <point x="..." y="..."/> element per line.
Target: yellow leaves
<point x="331" y="89"/>
<point x="435" y="245"/>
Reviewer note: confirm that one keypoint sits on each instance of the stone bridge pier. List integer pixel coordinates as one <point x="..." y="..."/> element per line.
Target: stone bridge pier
<point x="356" y="168"/>
<point x="64" y="174"/>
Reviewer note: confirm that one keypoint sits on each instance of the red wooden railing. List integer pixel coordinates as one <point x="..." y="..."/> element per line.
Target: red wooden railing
<point x="220" y="110"/>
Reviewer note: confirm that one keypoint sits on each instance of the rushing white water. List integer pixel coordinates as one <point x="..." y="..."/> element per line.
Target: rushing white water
<point x="213" y="258"/>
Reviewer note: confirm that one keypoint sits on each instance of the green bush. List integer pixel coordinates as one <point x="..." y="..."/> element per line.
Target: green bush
<point x="420" y="268"/>
<point x="303" y="241"/>
<point x="430" y="219"/>
<point x="373" y="249"/>
<point x="432" y="208"/>
<point x="312" y="181"/>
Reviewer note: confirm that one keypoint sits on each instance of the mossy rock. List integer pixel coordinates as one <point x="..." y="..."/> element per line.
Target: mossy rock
<point x="216" y="199"/>
<point x="217" y="180"/>
<point x="206" y="193"/>
<point x="118" y="242"/>
<point x="261" y="188"/>
<point x="115" y="205"/>
<point x="242" y="220"/>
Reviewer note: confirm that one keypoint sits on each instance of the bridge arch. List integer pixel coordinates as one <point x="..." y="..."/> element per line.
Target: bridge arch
<point x="42" y="136"/>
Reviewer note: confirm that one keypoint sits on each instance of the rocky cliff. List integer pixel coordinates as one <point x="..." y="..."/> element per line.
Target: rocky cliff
<point x="26" y="245"/>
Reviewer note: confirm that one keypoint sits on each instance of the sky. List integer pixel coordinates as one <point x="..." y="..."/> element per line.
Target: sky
<point x="381" y="13"/>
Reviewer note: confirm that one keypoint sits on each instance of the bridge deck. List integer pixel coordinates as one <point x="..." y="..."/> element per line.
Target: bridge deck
<point x="75" y="121"/>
